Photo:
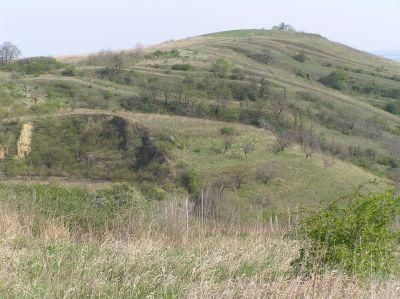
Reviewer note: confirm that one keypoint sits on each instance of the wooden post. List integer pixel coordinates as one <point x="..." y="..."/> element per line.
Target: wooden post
<point x="187" y="217"/>
<point x="202" y="208"/>
<point x="271" y="224"/>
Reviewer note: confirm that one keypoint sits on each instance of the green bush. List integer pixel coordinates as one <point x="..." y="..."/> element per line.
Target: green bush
<point x="393" y="108"/>
<point x="153" y="192"/>
<point x="237" y="74"/>
<point x="337" y="80"/>
<point x="227" y="130"/>
<point x="191" y="182"/>
<point x="69" y="72"/>
<point x="301" y="57"/>
<point x="36" y="65"/>
<point x="186" y="67"/>
<point x="222" y="68"/>
<point x="358" y="236"/>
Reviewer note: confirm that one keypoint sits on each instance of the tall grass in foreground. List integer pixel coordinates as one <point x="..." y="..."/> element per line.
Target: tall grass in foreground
<point x="52" y="254"/>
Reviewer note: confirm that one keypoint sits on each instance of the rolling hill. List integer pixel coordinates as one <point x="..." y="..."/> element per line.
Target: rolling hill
<point x="280" y="83"/>
<point x="184" y="169"/>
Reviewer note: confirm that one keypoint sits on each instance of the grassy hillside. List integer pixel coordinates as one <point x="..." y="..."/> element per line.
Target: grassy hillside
<point x="213" y="166"/>
<point x="237" y="167"/>
<point x="281" y="81"/>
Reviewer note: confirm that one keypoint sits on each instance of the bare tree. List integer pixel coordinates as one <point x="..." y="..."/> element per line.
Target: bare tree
<point x="27" y="90"/>
<point x="265" y="173"/>
<point x="264" y="88"/>
<point x="328" y="161"/>
<point x="334" y="150"/>
<point x="248" y="148"/>
<point x="222" y="96"/>
<point x="266" y="57"/>
<point x="308" y="142"/>
<point x="117" y="61"/>
<point x="153" y="86"/>
<point x="166" y="90"/>
<point x="229" y="141"/>
<point x="282" y="141"/>
<point x="239" y="178"/>
<point x="37" y="95"/>
<point x="279" y="104"/>
<point x="8" y="53"/>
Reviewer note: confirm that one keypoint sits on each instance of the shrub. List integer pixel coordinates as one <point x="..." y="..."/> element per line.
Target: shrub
<point x="393" y="108"/>
<point x="191" y="181"/>
<point x="186" y="67"/>
<point x="37" y="65"/>
<point x="302" y="74"/>
<point x="153" y="192"/>
<point x="227" y="130"/>
<point x="337" y="80"/>
<point x="222" y="68"/>
<point x="237" y="74"/>
<point x="301" y="57"/>
<point x="69" y="72"/>
<point x="357" y="236"/>
<point x="174" y="53"/>
<point x="395" y="78"/>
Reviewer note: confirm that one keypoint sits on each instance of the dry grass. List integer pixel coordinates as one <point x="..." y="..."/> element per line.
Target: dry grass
<point x="50" y="261"/>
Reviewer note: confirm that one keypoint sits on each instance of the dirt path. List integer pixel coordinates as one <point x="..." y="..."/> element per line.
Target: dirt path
<point x="24" y="141"/>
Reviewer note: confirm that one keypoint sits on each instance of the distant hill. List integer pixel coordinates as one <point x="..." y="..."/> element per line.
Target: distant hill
<point x="390" y="54"/>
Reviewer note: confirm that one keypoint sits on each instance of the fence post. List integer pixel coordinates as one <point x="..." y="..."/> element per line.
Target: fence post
<point x="202" y="208"/>
<point x="270" y="224"/>
<point x="187" y="217"/>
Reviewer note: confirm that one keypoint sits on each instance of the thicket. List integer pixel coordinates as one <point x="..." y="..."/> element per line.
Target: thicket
<point x="337" y="80"/>
<point x="186" y="67"/>
<point x="34" y="66"/>
<point x="358" y="234"/>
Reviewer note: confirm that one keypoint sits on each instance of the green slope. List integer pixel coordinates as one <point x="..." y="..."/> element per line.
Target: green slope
<point x="176" y="78"/>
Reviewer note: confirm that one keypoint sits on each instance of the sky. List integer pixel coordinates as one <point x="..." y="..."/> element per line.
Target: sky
<point x="65" y="27"/>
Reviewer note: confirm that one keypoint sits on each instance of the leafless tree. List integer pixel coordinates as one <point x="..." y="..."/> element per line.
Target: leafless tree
<point x="264" y="88"/>
<point x="239" y="177"/>
<point x="328" y="161"/>
<point x="266" y="57"/>
<point x="279" y="104"/>
<point x="247" y="148"/>
<point x="153" y="87"/>
<point x="8" y="53"/>
<point x="265" y="173"/>
<point x="166" y="90"/>
<point x="282" y="141"/>
<point x="229" y="141"/>
<point x="26" y="89"/>
<point x="308" y="142"/>
<point x="222" y="95"/>
<point x="118" y="61"/>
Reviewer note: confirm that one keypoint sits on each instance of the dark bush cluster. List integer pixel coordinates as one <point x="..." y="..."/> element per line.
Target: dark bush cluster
<point x="185" y="67"/>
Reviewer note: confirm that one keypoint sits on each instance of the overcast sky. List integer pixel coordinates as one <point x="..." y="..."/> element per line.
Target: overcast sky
<point x="59" y="27"/>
